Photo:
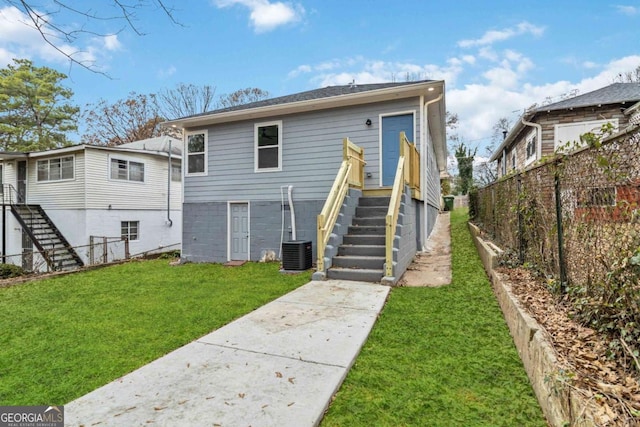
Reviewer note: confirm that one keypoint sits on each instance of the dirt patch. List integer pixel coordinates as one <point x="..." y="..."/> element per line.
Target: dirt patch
<point x="432" y="268"/>
<point x="582" y="352"/>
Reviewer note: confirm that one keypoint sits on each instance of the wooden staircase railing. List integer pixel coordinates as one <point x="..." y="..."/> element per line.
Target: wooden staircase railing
<point x="407" y="172"/>
<point x="350" y="174"/>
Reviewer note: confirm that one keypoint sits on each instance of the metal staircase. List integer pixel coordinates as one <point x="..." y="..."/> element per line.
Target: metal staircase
<point x="361" y="256"/>
<point x="45" y="236"/>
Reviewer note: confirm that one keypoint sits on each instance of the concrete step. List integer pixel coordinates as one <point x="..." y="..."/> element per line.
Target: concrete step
<point x="361" y="275"/>
<point x="371" y="211"/>
<point x="374" y="201"/>
<point x="359" y="262"/>
<point x="374" y="220"/>
<point x="363" y="239"/>
<point x="367" y="229"/>
<point x="361" y="250"/>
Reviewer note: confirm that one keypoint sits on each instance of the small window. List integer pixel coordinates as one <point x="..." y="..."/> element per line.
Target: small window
<point x="196" y="153"/>
<point x="127" y="170"/>
<point x="268" y="146"/>
<point x="57" y="169"/>
<point x="531" y="148"/>
<point x="513" y="161"/>
<point x="176" y="172"/>
<point x="130" y="230"/>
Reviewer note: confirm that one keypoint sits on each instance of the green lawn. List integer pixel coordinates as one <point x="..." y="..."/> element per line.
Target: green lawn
<point x="439" y="357"/>
<point x="63" y="337"/>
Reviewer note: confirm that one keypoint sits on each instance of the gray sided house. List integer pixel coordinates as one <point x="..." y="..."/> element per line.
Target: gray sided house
<point x="546" y="129"/>
<point x="260" y="174"/>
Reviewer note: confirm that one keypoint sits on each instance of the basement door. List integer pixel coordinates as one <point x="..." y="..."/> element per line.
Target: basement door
<point x="390" y="145"/>
<point x="239" y="231"/>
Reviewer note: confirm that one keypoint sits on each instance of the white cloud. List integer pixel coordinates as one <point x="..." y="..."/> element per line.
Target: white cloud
<point x="166" y="73"/>
<point x="111" y="42"/>
<point x="266" y="16"/>
<point x="19" y="39"/>
<point x="493" y="36"/>
<point x="627" y="10"/>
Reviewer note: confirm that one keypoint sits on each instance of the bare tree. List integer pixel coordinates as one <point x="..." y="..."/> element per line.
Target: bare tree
<point x="242" y="96"/>
<point x="128" y="120"/>
<point x="632" y="76"/>
<point x="186" y="100"/>
<point x="53" y="21"/>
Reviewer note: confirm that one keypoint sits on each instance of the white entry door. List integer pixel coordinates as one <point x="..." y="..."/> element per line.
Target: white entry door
<point x="239" y="231"/>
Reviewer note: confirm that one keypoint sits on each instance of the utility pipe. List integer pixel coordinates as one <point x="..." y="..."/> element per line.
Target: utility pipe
<point x="169" y="221"/>
<point x="293" y="214"/>
<point x="538" y="136"/>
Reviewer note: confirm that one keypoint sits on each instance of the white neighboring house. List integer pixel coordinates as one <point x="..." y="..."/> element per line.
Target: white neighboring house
<point x="56" y="199"/>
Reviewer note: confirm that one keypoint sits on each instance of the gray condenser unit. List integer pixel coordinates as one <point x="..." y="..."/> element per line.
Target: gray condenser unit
<point x="297" y="255"/>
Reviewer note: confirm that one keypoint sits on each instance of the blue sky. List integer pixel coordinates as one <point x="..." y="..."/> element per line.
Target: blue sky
<point x="496" y="57"/>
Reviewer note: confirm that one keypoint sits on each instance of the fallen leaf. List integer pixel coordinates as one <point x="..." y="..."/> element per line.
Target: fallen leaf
<point x="278" y="375"/>
<point x="241" y="395"/>
<point x="291" y="379"/>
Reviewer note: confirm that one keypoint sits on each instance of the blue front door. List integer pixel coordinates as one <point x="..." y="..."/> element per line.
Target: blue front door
<point x="391" y="128"/>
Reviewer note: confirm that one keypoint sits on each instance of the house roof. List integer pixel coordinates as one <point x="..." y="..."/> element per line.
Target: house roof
<point x="335" y="97"/>
<point x="316" y="99"/>
<point x="616" y="93"/>
<point x="153" y="146"/>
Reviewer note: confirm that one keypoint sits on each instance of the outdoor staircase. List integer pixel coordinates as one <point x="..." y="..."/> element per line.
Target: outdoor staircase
<point x="46" y="237"/>
<point x="361" y="256"/>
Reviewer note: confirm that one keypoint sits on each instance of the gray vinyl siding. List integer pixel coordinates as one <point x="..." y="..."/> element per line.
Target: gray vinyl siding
<point x="64" y="194"/>
<point x="311" y="156"/>
<point x="432" y="180"/>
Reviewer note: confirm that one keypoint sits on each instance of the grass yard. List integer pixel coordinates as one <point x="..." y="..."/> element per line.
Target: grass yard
<point x="439" y="357"/>
<point x="63" y="337"/>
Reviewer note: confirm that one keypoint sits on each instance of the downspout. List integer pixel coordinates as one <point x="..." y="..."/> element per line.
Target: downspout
<point x="424" y="156"/>
<point x="169" y="221"/>
<point x="538" y="136"/>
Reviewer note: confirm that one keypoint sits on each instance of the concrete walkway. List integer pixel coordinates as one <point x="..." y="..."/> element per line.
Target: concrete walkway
<point x="277" y="366"/>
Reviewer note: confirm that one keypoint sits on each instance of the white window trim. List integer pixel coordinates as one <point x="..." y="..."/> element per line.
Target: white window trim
<point x="255" y="146"/>
<point x="593" y="124"/>
<point x="185" y="169"/>
<point x="530" y="159"/>
<point x="127" y="159"/>
<point x="128" y="231"/>
<point x="48" y="181"/>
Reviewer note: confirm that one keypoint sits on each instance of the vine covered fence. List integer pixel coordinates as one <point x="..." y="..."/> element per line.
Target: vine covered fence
<point x="575" y="219"/>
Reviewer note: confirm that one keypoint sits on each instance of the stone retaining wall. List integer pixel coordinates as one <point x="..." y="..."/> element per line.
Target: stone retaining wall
<point x="561" y="405"/>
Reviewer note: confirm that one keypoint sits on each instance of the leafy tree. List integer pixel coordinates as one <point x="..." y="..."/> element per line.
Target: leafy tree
<point x="186" y="100"/>
<point x="35" y="112"/>
<point x="242" y="96"/>
<point x="465" y="156"/>
<point x="128" y="120"/>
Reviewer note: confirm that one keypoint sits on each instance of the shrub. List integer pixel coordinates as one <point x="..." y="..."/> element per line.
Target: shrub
<point x="9" y="270"/>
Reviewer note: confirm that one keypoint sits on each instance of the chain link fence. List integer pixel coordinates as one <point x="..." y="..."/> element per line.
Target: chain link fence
<point x="575" y="219"/>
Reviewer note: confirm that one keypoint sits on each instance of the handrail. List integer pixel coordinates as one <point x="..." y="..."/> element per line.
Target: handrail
<point x="391" y="220"/>
<point x="412" y="171"/>
<point x="350" y="174"/>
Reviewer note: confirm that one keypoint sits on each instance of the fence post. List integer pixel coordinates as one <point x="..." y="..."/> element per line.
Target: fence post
<point x="561" y="260"/>
<point x="127" y="255"/>
<point x="520" y="220"/>
<point x="105" y="258"/>
<point x="91" y="254"/>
